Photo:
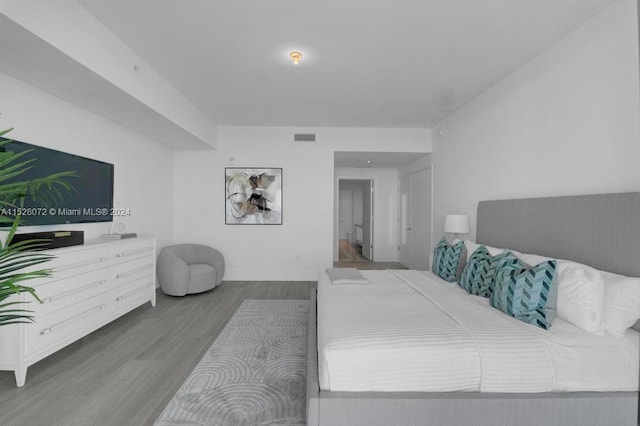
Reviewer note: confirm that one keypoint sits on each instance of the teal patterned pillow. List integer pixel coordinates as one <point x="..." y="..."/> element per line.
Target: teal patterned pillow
<point x="438" y="252"/>
<point x="473" y="270"/>
<point x="484" y="286"/>
<point x="479" y="275"/>
<point x="448" y="260"/>
<point x="527" y="294"/>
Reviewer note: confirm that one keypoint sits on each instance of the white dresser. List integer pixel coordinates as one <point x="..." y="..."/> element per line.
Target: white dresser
<point x="92" y="285"/>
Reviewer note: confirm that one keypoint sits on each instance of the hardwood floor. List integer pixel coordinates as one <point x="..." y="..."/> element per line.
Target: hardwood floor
<point x="350" y="256"/>
<point x="348" y="251"/>
<point x="369" y="265"/>
<point x="126" y="372"/>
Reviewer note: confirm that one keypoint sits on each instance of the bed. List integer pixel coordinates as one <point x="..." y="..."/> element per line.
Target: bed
<point x="598" y="230"/>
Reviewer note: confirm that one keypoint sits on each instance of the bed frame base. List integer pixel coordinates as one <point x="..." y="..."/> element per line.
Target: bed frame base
<point x="459" y="408"/>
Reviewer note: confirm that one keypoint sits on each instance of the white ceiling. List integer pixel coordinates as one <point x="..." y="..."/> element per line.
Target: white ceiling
<point x="368" y="63"/>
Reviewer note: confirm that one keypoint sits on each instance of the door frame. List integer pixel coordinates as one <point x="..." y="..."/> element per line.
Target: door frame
<point x="336" y="214"/>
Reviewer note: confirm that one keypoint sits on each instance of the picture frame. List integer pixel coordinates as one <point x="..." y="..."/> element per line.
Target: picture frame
<point x="253" y="196"/>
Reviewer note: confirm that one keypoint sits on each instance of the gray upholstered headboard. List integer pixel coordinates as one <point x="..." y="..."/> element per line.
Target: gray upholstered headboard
<point x="602" y="231"/>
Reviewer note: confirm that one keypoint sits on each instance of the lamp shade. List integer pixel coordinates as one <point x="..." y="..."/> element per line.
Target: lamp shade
<point x="456" y="223"/>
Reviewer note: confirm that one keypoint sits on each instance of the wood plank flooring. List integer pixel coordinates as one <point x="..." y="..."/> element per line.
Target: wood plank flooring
<point x="369" y="265"/>
<point x="350" y="256"/>
<point x="126" y="372"/>
<point x="348" y="251"/>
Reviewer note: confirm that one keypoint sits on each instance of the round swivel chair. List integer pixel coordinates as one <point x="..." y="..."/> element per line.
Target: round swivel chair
<point x="189" y="268"/>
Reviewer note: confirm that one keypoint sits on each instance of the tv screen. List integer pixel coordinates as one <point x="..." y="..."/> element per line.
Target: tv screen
<point x="91" y="199"/>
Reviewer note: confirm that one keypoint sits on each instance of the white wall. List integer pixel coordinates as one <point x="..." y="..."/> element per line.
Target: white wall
<point x="421" y="163"/>
<point x="143" y="169"/>
<point x="345" y="213"/>
<point x="300" y="247"/>
<point x="349" y="207"/>
<point x="385" y="209"/>
<point x="567" y="122"/>
<point x="358" y="200"/>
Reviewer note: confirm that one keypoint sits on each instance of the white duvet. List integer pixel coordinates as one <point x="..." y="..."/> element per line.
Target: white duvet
<point x="411" y="331"/>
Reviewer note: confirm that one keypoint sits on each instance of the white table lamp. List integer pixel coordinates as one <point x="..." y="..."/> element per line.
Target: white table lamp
<point x="456" y="224"/>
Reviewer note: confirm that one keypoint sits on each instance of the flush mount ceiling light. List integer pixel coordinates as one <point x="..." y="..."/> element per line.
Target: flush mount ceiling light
<point x="295" y="56"/>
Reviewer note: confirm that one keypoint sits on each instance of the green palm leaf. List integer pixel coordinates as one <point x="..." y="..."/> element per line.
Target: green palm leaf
<point x="19" y="261"/>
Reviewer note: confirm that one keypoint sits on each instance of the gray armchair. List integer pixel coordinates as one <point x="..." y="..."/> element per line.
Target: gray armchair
<point x="189" y="268"/>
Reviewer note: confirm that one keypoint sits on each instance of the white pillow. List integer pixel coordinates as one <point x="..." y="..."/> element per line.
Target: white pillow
<point x="532" y="259"/>
<point x="621" y="303"/>
<point x="471" y="247"/>
<point x="581" y="293"/>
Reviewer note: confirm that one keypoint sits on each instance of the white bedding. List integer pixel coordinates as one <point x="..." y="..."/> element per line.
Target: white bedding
<point x="411" y="331"/>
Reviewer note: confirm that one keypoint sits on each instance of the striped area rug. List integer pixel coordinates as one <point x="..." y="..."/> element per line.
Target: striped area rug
<point x="253" y="374"/>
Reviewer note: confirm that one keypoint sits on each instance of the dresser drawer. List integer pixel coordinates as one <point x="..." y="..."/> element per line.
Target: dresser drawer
<point x="65" y="325"/>
<point x="129" y="251"/>
<point x="133" y="293"/>
<point x="60" y="294"/>
<point x="125" y="272"/>
<point x="75" y="263"/>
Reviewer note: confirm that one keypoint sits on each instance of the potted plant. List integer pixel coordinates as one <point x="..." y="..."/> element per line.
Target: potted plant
<point x="17" y="261"/>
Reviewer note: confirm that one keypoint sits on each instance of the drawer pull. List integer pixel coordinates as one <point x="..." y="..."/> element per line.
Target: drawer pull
<point x="132" y="292"/>
<point x="134" y="252"/>
<point x="72" y="319"/>
<point x="77" y="265"/>
<point x="74" y="291"/>
<point x="133" y="271"/>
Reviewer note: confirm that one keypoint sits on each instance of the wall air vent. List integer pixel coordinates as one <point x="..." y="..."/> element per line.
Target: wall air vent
<point x="304" y="137"/>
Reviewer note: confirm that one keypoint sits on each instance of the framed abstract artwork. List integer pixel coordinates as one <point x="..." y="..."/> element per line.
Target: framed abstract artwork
<point x="253" y="196"/>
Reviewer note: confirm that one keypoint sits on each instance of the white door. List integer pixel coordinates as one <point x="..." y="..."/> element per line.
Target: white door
<point x="367" y="220"/>
<point x="414" y="221"/>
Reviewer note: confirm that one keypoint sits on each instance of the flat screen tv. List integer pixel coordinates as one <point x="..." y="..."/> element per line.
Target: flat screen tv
<point x="91" y="199"/>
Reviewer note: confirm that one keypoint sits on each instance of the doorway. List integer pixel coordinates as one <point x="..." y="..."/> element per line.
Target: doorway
<point x="355" y="220"/>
